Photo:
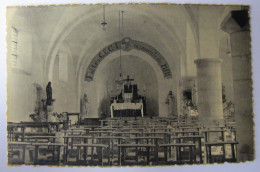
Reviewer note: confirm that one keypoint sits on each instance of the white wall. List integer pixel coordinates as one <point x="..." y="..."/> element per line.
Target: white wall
<point x="64" y="91"/>
<point x="226" y="66"/>
<point x="21" y="92"/>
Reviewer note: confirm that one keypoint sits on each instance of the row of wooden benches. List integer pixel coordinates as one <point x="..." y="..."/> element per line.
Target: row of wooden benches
<point x="120" y="146"/>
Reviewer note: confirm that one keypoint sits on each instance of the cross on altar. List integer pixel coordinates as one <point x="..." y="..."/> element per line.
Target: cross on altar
<point x="128" y="79"/>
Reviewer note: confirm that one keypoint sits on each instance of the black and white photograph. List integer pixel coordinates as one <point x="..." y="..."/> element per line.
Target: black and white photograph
<point x="129" y="85"/>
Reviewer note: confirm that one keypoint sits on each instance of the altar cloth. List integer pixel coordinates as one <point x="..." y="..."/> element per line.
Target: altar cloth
<point x="126" y="106"/>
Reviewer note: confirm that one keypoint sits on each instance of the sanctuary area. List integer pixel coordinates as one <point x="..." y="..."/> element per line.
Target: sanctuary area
<point x="129" y="84"/>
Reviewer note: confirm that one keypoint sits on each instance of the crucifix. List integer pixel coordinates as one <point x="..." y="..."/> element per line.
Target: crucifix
<point x="128" y="79"/>
<point x="128" y="88"/>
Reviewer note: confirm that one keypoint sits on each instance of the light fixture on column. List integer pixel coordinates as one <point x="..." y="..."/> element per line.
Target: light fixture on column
<point x="104" y="23"/>
<point x="228" y="45"/>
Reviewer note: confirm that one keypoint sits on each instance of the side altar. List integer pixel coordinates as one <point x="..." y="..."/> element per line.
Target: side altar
<point x="127" y="101"/>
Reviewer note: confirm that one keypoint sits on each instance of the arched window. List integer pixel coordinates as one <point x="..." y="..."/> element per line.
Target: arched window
<point x="14" y="46"/>
<point x="21" y="50"/>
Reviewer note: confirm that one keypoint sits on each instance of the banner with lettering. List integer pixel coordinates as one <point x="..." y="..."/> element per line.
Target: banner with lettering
<point x="128" y="44"/>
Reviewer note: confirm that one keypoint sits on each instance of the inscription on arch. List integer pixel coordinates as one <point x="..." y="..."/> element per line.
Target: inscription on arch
<point x="127" y="44"/>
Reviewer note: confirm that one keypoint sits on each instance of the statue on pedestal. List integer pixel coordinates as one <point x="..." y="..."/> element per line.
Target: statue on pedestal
<point x="172" y="104"/>
<point x="49" y="94"/>
<point x="84" y="106"/>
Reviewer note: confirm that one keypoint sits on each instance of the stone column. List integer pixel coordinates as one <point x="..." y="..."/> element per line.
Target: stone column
<point x="209" y="89"/>
<point x="237" y="25"/>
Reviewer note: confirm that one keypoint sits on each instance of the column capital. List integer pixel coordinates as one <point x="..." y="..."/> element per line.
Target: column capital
<point x="236" y="21"/>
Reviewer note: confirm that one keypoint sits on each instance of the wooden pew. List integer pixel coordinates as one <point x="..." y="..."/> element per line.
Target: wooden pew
<point x="149" y="140"/>
<point x="194" y="138"/>
<point x="69" y="140"/>
<point x="86" y="145"/>
<point x="58" y="145"/>
<point x="126" y="133"/>
<point x="222" y="144"/>
<point x="13" y="128"/>
<point x="17" y="144"/>
<point x="111" y="140"/>
<point x="123" y="147"/>
<point x="178" y="146"/>
<point x="83" y="131"/>
<point x="22" y="136"/>
<point x="48" y="139"/>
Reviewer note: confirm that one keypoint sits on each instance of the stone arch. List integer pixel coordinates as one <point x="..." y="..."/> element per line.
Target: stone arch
<point x="164" y="85"/>
<point x="193" y="22"/>
<point x="128" y="44"/>
<point x="64" y="28"/>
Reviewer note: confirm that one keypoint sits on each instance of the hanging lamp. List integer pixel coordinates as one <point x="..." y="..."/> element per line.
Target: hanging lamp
<point x="104" y="23"/>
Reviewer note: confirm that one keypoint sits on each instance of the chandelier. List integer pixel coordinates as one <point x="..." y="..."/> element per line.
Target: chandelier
<point x="120" y="22"/>
<point x="104" y="23"/>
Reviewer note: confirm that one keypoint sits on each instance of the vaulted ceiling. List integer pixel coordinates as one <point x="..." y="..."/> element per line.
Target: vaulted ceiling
<point x="79" y="27"/>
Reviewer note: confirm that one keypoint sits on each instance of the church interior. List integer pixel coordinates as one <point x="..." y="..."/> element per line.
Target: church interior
<point x="129" y="84"/>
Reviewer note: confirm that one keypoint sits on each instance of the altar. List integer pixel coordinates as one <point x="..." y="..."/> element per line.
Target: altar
<point x="128" y="102"/>
<point x="126" y="106"/>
